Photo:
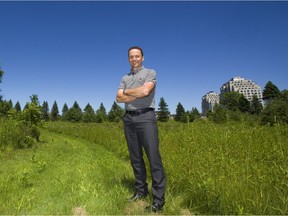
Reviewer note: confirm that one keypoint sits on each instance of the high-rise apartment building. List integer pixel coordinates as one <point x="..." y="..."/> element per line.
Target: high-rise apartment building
<point x="209" y="101"/>
<point x="247" y="87"/>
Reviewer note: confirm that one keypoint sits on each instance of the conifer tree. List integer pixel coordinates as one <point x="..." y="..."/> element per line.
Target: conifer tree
<point x="89" y="114"/>
<point x="180" y="115"/>
<point x="163" y="111"/>
<point x="244" y="104"/>
<point x="64" y="111"/>
<point x="270" y="91"/>
<point x="54" y="112"/>
<point x="194" y="114"/>
<point x="45" y="111"/>
<point x="116" y="113"/>
<point x="74" y="114"/>
<point x="26" y="106"/>
<point x="17" y="107"/>
<point x="101" y="114"/>
<point x="10" y="103"/>
<point x="256" y="106"/>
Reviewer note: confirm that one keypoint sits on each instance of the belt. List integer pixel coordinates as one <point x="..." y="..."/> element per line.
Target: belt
<point x="139" y="111"/>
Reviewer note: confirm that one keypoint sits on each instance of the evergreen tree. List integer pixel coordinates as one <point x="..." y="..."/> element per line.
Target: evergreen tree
<point x="26" y="106"/>
<point x="163" y="111"/>
<point x="116" y="113"/>
<point x="101" y="115"/>
<point x="74" y="114"/>
<point x="45" y="111"/>
<point x="89" y="114"/>
<point x="256" y="106"/>
<point x="270" y="91"/>
<point x="194" y="114"/>
<point x="10" y="103"/>
<point x="54" y="112"/>
<point x="244" y="104"/>
<point x="64" y="111"/>
<point x="180" y="115"/>
<point x="17" y="107"/>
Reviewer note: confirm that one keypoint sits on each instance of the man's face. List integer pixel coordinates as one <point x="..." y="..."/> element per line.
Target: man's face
<point x="135" y="58"/>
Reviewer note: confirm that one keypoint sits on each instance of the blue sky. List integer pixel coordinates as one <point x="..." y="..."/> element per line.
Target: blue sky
<point x="77" y="51"/>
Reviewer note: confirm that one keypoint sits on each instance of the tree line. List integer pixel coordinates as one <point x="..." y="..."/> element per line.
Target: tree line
<point x="232" y="106"/>
<point x="88" y="114"/>
<point x="19" y="128"/>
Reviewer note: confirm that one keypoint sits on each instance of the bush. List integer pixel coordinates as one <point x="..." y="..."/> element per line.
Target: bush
<point x="17" y="135"/>
<point x="275" y="113"/>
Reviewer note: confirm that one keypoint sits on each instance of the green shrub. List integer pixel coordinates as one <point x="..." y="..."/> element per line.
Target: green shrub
<point x="17" y="135"/>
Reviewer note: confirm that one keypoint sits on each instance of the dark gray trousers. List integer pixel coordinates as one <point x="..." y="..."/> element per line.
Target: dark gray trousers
<point x="141" y="132"/>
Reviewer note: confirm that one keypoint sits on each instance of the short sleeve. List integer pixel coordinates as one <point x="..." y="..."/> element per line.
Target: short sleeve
<point x="151" y="76"/>
<point x="122" y="84"/>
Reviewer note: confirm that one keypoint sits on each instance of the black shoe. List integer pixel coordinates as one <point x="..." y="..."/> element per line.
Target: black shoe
<point x="137" y="196"/>
<point x="155" y="207"/>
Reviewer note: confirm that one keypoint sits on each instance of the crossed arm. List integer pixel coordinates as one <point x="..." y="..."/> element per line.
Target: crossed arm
<point x="128" y="95"/>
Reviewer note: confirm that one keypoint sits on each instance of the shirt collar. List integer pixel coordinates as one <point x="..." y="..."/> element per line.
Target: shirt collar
<point x="137" y="70"/>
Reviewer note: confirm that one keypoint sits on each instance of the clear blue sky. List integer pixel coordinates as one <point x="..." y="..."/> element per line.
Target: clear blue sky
<point x="77" y="51"/>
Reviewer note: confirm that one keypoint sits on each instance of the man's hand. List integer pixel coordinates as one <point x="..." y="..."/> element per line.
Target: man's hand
<point x="123" y="98"/>
<point x="142" y="91"/>
<point x="134" y="93"/>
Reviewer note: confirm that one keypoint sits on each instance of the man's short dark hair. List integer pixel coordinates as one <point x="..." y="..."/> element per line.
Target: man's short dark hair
<point x="136" y="47"/>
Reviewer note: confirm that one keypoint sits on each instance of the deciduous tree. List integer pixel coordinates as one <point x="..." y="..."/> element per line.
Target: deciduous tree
<point x="219" y="115"/>
<point x="230" y="100"/>
<point x="276" y="111"/>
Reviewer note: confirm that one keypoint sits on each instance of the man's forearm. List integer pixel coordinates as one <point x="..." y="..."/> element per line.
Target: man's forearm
<point x="124" y="98"/>
<point x="141" y="91"/>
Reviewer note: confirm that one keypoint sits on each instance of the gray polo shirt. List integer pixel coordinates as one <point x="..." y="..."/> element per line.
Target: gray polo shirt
<point x="137" y="79"/>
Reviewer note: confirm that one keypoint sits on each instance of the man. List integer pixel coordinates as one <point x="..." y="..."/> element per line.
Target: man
<point x="137" y="91"/>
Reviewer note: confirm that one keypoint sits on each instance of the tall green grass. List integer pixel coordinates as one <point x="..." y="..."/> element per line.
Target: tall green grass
<point x="232" y="168"/>
<point x="16" y="134"/>
<point x="63" y="176"/>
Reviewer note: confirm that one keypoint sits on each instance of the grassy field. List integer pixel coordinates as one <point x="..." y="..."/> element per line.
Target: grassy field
<point x="233" y="168"/>
<point x="63" y="176"/>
